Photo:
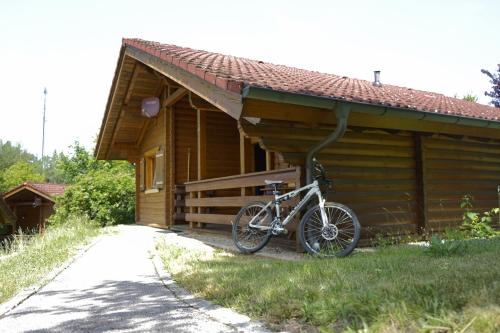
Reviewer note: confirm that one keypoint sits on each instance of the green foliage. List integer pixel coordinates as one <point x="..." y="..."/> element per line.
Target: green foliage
<point x="495" y="86"/>
<point x="442" y="248"/>
<point x="52" y="171"/>
<point x="5" y="229"/>
<point x="80" y="162"/>
<point x="27" y="260"/>
<point x="101" y="190"/>
<point x="13" y="153"/>
<point x="470" y="97"/>
<point x="397" y="289"/>
<point x="476" y="225"/>
<point x="19" y="173"/>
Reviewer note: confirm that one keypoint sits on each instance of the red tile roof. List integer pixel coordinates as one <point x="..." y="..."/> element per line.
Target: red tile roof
<point x="233" y="73"/>
<point x="49" y="189"/>
<point x="45" y="189"/>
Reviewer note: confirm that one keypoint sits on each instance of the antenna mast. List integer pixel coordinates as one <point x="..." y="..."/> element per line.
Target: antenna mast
<point x="43" y="128"/>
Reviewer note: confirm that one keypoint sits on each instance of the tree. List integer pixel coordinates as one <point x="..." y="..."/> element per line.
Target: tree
<point x="101" y="190"/>
<point x="52" y="171"/>
<point x="470" y="97"/>
<point x="12" y="153"/>
<point x="17" y="174"/>
<point x="78" y="163"/>
<point x="495" y="88"/>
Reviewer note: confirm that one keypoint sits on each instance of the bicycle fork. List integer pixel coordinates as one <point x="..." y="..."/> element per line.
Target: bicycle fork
<point x="321" y="204"/>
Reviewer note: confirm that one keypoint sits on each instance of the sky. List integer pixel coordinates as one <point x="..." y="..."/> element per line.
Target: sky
<point x="72" y="47"/>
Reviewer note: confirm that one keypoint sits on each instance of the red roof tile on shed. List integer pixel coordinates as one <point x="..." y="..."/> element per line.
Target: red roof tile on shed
<point x="233" y="73"/>
<point x="49" y="189"/>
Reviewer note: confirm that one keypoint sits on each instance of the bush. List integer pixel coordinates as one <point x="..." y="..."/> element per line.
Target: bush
<point x="476" y="225"/>
<point x="106" y="195"/>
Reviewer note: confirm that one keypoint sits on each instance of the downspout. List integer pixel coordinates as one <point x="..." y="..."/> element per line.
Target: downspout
<point x="341" y="114"/>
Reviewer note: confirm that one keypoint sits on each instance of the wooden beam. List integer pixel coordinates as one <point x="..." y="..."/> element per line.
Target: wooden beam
<point x="115" y="131"/>
<point x="174" y="97"/>
<point x="421" y="188"/>
<point x="128" y="94"/>
<point x="171" y="159"/>
<point x="143" y="132"/>
<point x="227" y="101"/>
<point x="131" y="84"/>
<point x="109" y="106"/>
<point x="202" y="144"/>
<point x="201" y="117"/>
<point x="245" y="158"/>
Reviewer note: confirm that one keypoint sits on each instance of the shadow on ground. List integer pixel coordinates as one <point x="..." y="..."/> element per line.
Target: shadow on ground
<point x="115" y="305"/>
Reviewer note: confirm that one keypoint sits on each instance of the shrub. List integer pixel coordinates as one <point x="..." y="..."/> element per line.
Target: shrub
<point x="476" y="225"/>
<point x="106" y="195"/>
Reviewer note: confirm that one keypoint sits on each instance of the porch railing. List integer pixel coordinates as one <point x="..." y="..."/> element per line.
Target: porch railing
<point x="217" y="200"/>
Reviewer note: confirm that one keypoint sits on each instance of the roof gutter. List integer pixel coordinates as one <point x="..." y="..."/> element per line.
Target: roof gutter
<point x="361" y="107"/>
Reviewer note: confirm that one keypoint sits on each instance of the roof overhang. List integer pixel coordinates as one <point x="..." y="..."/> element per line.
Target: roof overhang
<point x="225" y="100"/>
<point x="270" y="95"/>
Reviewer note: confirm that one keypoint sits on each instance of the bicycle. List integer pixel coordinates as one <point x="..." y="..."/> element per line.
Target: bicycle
<point x="327" y="229"/>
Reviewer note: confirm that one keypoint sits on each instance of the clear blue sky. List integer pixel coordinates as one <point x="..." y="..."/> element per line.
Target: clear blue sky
<point x="71" y="47"/>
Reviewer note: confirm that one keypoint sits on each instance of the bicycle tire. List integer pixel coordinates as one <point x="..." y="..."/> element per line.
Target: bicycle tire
<point x="339" y="240"/>
<point x="240" y="230"/>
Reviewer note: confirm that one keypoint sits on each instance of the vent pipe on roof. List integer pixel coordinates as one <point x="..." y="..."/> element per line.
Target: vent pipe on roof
<point x="376" y="79"/>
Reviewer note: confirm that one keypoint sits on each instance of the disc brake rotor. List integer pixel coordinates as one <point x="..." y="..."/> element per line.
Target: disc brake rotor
<point x="330" y="232"/>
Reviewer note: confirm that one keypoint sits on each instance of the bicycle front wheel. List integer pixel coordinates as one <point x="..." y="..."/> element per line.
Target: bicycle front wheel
<point x="248" y="238"/>
<point x="337" y="239"/>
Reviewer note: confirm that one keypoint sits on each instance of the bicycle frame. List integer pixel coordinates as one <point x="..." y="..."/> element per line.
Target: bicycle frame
<point x="313" y="189"/>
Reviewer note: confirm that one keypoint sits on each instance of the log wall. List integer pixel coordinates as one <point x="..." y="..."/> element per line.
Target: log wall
<point x="151" y="206"/>
<point x="395" y="181"/>
<point x="454" y="168"/>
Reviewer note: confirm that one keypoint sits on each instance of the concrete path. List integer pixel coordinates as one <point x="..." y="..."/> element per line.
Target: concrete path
<point x="112" y="287"/>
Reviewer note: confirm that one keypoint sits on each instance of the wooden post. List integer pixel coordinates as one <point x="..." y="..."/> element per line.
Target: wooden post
<point x="137" y="192"/>
<point x="14" y="210"/>
<point x="202" y="152"/>
<point x="40" y="218"/>
<point x="420" y="175"/>
<point x="246" y="161"/>
<point x="171" y="162"/>
<point x="269" y="160"/>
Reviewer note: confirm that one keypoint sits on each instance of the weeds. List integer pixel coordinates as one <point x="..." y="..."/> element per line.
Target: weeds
<point x="441" y="248"/>
<point x="399" y="289"/>
<point x="24" y="263"/>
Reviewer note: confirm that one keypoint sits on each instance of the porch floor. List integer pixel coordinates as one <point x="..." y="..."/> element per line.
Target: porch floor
<point x="219" y="236"/>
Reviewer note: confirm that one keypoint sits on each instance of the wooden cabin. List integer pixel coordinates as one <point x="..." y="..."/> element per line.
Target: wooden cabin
<point x="402" y="158"/>
<point x="32" y="204"/>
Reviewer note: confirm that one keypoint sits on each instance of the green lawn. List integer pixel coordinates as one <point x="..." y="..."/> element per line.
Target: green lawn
<point x="29" y="263"/>
<point x="393" y="289"/>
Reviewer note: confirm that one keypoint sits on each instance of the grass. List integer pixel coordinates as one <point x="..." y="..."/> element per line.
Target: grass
<point x="391" y="290"/>
<point x="24" y="263"/>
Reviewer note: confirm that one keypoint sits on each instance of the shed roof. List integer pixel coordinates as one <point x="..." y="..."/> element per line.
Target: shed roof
<point x="234" y="73"/>
<point x="46" y="190"/>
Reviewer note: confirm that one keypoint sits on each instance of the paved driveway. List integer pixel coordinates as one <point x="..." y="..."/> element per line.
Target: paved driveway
<point x="112" y="287"/>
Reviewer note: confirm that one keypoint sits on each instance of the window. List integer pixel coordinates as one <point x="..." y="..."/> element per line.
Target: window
<point x="152" y="171"/>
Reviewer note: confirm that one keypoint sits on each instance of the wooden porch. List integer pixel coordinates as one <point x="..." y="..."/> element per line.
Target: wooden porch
<point x="218" y="200"/>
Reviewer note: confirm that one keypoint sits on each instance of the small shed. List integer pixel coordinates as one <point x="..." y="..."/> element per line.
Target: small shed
<point x="32" y="204"/>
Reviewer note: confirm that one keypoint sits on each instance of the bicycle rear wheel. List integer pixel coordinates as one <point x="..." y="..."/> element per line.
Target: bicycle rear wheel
<point x="337" y="239"/>
<point x="250" y="239"/>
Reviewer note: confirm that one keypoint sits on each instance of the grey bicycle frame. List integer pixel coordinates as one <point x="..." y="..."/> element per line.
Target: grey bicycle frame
<point x="313" y="190"/>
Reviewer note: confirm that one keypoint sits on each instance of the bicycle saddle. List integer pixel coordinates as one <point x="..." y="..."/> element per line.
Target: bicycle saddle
<point x="272" y="182"/>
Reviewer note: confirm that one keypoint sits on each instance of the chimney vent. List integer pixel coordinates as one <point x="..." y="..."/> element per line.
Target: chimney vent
<point x="376" y="79"/>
